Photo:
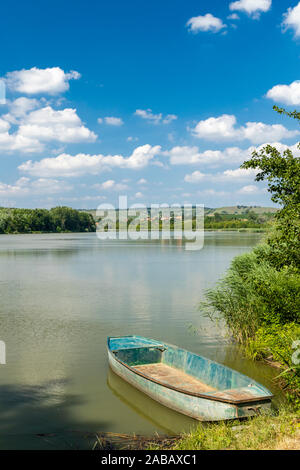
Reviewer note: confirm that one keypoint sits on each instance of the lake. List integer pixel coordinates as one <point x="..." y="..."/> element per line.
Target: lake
<point x="62" y="295"/>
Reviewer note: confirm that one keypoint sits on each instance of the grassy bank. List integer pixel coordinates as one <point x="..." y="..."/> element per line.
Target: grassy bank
<point x="280" y="432"/>
<point x="260" y="433"/>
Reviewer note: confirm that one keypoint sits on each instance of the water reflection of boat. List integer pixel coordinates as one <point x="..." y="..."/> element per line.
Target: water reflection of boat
<point x="164" y="419"/>
<point x="185" y="382"/>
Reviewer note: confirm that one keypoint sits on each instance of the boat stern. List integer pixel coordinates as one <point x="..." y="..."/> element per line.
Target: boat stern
<point x="253" y="409"/>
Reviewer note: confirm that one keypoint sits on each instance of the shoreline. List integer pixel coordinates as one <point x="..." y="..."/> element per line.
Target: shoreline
<point x="239" y="230"/>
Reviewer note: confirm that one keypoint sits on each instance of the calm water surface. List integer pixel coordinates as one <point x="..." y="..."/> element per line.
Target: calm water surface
<point x="62" y="295"/>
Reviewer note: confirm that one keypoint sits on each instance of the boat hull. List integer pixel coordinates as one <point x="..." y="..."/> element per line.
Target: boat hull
<point x="201" y="409"/>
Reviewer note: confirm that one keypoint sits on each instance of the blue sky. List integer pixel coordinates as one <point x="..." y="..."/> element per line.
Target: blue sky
<point x="158" y="100"/>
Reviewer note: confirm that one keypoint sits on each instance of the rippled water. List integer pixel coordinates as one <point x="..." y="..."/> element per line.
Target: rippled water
<point x="62" y="295"/>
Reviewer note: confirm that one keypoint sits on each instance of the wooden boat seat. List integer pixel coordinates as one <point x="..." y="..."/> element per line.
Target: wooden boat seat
<point x="174" y="377"/>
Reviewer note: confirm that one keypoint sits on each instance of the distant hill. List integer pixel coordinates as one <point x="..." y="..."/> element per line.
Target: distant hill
<point x="230" y="210"/>
<point x="242" y="210"/>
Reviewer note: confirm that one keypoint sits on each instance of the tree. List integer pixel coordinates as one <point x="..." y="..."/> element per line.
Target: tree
<point x="282" y="171"/>
<point x="59" y="219"/>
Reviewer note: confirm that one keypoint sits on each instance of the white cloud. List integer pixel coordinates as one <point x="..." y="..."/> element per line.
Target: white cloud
<point x="252" y="7"/>
<point x="195" y="177"/>
<point x="292" y="20"/>
<point x="65" y="165"/>
<point x="138" y="195"/>
<point x="212" y="192"/>
<point x="159" y="164"/>
<point x="40" y="126"/>
<point x="111" y="185"/>
<point x="258" y="132"/>
<point x="227" y="176"/>
<point x="169" y="118"/>
<point x="142" y="181"/>
<point x="47" y="124"/>
<point x="287" y="94"/>
<point x="49" y="186"/>
<point x="233" y="16"/>
<point x="20" y="107"/>
<point x="111" y="121"/>
<point x="97" y="197"/>
<point x="192" y="156"/>
<point x="238" y="174"/>
<point x="38" y="81"/>
<point x="4" y="125"/>
<point x="24" y="186"/>
<point x="155" y="118"/>
<point x="14" y="189"/>
<point x="205" y="23"/>
<point x="224" y="128"/>
<point x="148" y="115"/>
<point x="16" y="142"/>
<point x="250" y="189"/>
<point x="114" y="121"/>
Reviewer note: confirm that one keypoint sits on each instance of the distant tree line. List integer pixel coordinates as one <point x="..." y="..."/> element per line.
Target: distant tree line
<point x="247" y="219"/>
<point x="56" y="220"/>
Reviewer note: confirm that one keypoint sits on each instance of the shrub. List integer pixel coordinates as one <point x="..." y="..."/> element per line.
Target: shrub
<point x="279" y="344"/>
<point x="254" y="293"/>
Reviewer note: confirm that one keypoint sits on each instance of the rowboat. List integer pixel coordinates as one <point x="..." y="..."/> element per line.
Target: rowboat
<point x="186" y="382"/>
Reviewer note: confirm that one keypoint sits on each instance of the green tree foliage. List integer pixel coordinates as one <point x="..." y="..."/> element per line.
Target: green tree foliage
<point x="259" y="297"/>
<point x="245" y="220"/>
<point x="282" y="171"/>
<point x="58" y="219"/>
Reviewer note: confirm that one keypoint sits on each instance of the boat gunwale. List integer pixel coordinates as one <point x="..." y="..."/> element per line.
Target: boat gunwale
<point x="186" y="392"/>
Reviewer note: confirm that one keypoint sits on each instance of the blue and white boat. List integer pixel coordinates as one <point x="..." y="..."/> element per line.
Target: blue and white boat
<point x="186" y="382"/>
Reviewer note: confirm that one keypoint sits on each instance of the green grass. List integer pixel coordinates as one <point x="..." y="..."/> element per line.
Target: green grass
<point x="264" y="432"/>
